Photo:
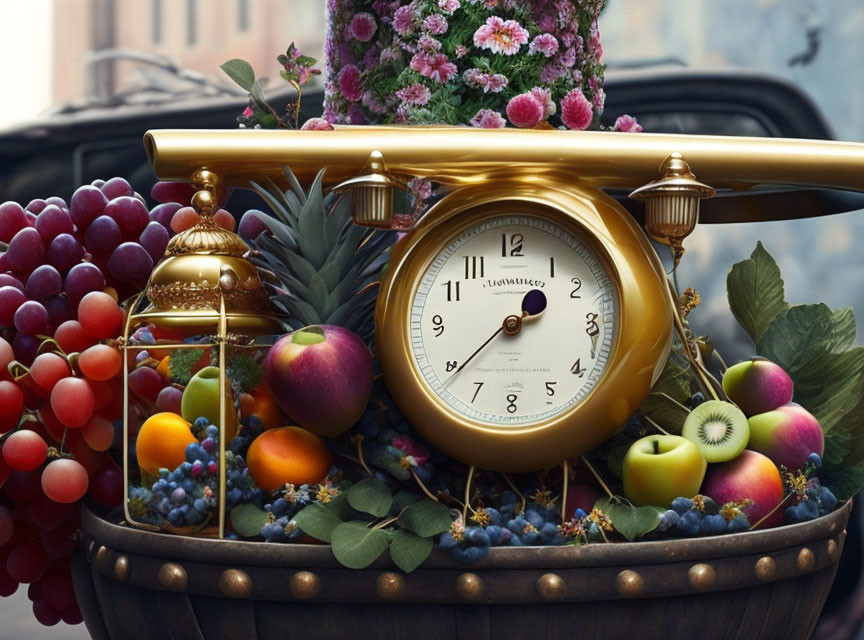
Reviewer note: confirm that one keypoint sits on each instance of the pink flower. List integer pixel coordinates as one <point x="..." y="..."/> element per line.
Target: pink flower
<point x="416" y="94"/>
<point x="576" y="111"/>
<point x="428" y="43"/>
<point x="436" y="24"/>
<point x="316" y="124"/>
<point x="594" y="46"/>
<point x="477" y="79"/>
<point x="448" y="6"/>
<point x="627" y="124"/>
<point x="551" y="72"/>
<point x="599" y="100"/>
<point x="355" y="115"/>
<point x="545" y="43"/>
<point x="362" y="27"/>
<point x="403" y="20"/>
<point x="349" y="83"/>
<point x="461" y="51"/>
<point x="388" y="55"/>
<point x="544" y="97"/>
<point x="501" y="36"/>
<point x="435" y="66"/>
<point x="525" y="111"/>
<point x="488" y="119"/>
<point x="248" y="112"/>
<point x="416" y="453"/>
<point x="421" y="188"/>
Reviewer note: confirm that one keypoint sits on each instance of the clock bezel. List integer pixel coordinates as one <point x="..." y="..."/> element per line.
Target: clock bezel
<point x="638" y="350"/>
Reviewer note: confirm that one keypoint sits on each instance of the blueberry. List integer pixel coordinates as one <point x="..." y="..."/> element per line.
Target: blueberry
<point x="475" y="536"/>
<point x="827" y="500"/>
<point x="178" y="496"/>
<point x="201" y="423"/>
<point x="738" y="523"/>
<point x="689" y="522"/>
<point x="175" y="517"/>
<point x="668" y="520"/>
<point x="447" y="541"/>
<point x="469" y="555"/>
<point x="814" y="460"/>
<point x="713" y="525"/>
<point x="682" y="505"/>
<point x="212" y="431"/>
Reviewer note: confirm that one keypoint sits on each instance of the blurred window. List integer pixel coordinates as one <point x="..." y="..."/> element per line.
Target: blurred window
<point x="191" y="22"/>
<point x="243" y="15"/>
<point x="156" y="21"/>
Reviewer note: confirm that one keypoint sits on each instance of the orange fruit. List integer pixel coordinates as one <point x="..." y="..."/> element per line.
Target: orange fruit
<point x="260" y="402"/>
<point x="164" y="368"/>
<point x="162" y="442"/>
<point x="287" y="454"/>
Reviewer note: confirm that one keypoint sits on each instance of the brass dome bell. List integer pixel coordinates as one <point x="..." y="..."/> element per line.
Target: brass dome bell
<point x="371" y="194"/>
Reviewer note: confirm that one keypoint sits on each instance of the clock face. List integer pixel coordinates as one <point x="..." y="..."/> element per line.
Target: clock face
<point x="554" y="359"/>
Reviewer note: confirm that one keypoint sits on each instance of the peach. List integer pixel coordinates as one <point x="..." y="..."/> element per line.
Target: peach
<point x="787" y="435"/>
<point x="749" y="476"/>
<point x="757" y="386"/>
<point x="287" y="455"/>
<point x="162" y="442"/>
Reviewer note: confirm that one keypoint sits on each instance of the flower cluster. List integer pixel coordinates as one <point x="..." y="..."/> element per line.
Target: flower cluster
<point x="485" y="63"/>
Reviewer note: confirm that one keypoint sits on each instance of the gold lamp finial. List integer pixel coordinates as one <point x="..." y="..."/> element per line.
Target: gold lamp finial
<point x="672" y="203"/>
<point x="371" y="193"/>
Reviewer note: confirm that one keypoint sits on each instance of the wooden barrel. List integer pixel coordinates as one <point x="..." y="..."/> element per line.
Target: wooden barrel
<point x="769" y="584"/>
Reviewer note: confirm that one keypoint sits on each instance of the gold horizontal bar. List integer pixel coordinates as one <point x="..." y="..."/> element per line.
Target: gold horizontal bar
<point x="464" y="155"/>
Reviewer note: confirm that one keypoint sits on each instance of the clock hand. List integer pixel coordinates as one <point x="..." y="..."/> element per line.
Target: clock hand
<point x="533" y="303"/>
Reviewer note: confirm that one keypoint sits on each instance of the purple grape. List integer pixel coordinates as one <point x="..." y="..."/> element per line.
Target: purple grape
<point x="12" y="220"/>
<point x="130" y="263"/>
<point x="31" y="318"/>
<point x="25" y="348"/>
<point x="52" y="221"/>
<point x="87" y="204"/>
<point x="98" y="182"/>
<point x="64" y="252"/>
<point x="129" y="214"/>
<point x="7" y="280"/>
<point x="116" y="188"/>
<point x="44" y="282"/>
<point x="10" y="299"/>
<point x="252" y="224"/>
<point x="25" y="251"/>
<point x="103" y="235"/>
<point x="58" y="201"/>
<point x="59" y="312"/>
<point x="162" y="213"/>
<point x="36" y="205"/>
<point x="154" y="239"/>
<point x="81" y="280"/>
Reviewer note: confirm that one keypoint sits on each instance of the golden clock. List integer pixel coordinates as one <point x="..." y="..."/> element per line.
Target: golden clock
<point x="526" y="316"/>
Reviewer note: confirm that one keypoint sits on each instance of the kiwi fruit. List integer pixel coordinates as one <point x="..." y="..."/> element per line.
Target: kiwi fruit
<point x="718" y="429"/>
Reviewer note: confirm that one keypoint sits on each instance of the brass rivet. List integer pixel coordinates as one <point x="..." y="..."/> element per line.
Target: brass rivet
<point x="551" y="586"/>
<point x="173" y="577"/>
<point x="701" y="576"/>
<point x="470" y="586"/>
<point x="103" y="554"/>
<point x="629" y="584"/>
<point x="235" y="583"/>
<point x="831" y="549"/>
<point x="806" y="560"/>
<point x="765" y="568"/>
<point x="304" y="585"/>
<point x="121" y="568"/>
<point x="390" y="586"/>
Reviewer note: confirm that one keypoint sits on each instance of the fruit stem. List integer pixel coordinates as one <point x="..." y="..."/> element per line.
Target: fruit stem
<point x="423" y="487"/>
<point x="689" y="347"/>
<point x="513" y="486"/>
<point x="63" y="440"/>
<point x="467" y="503"/>
<point x="359" y="441"/>
<point x="386" y="522"/>
<point x="767" y="515"/>
<point x="599" y="478"/>
<point x="656" y="447"/>
<point x="566" y="468"/>
<point x="657" y="426"/>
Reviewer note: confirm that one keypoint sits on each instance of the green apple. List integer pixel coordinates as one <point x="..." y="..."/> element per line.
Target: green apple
<point x="658" y="469"/>
<point x="201" y="400"/>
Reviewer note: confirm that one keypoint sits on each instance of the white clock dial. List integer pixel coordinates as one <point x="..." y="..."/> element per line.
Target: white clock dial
<point x="479" y="279"/>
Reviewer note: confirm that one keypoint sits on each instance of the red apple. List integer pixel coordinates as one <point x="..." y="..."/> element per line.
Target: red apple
<point x="757" y="386"/>
<point x="787" y="435"/>
<point x="749" y="476"/>
<point x="321" y="376"/>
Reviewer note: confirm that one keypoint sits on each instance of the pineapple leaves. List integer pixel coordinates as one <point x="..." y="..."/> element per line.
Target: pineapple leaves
<point x="312" y="222"/>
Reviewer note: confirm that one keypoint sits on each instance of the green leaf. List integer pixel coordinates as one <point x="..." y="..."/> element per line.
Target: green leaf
<point x="755" y="291"/>
<point x="370" y="496"/>
<point x="426" y="518"/>
<point x="402" y="500"/>
<point x="357" y="546"/>
<point x="631" y="522"/>
<point x="845" y="481"/>
<point x="340" y="508"/>
<point x="318" y="521"/>
<point x="240" y="72"/>
<point x="248" y="520"/>
<point x="665" y="411"/>
<point x="407" y="550"/>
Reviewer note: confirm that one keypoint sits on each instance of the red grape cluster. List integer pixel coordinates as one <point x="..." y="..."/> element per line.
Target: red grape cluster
<point x="64" y="268"/>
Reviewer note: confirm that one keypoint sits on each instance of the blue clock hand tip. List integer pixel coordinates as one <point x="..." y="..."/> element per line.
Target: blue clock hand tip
<point x="534" y="302"/>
